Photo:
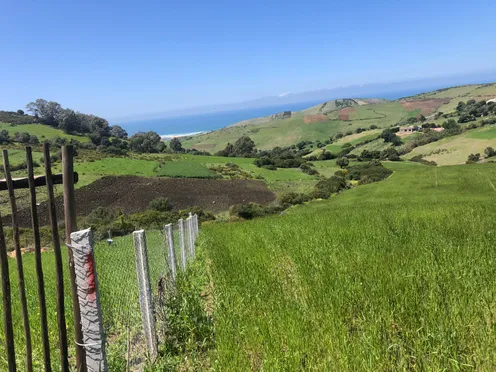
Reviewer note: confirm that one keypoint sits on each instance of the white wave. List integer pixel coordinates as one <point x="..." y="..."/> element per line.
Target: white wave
<point x="169" y="136"/>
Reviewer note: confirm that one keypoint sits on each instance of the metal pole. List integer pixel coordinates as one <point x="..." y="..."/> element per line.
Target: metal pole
<point x="7" y="303"/>
<point x="38" y="263"/>
<point x="70" y="226"/>
<point x="59" y="272"/>
<point x="20" y="270"/>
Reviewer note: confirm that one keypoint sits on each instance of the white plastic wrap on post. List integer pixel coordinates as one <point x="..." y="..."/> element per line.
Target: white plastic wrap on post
<point x="182" y="243"/>
<point x="145" y="292"/>
<point x="171" y="253"/>
<point x="89" y="300"/>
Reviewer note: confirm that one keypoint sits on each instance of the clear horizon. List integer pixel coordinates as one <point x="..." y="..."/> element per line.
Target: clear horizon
<point x="118" y="59"/>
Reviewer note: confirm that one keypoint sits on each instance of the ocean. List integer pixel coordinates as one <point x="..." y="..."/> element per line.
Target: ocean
<point x="191" y="124"/>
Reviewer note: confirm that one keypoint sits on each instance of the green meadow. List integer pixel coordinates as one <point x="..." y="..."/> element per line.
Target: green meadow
<point x="395" y="275"/>
<point x="41" y="131"/>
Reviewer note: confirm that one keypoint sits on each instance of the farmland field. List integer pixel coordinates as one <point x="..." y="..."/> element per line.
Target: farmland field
<point x="41" y="131"/>
<point x="396" y="275"/>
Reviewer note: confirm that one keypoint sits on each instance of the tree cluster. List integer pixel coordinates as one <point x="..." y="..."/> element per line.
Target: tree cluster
<point x="471" y="110"/>
<point x="244" y="147"/>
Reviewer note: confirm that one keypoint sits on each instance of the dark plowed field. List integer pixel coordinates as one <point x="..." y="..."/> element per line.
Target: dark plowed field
<point x="132" y="194"/>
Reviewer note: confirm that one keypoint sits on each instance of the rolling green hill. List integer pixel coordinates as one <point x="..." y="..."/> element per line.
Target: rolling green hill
<point x="395" y="275"/>
<point x="345" y="115"/>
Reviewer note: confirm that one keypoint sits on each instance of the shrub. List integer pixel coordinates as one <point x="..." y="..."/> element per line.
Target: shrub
<point x="270" y="167"/>
<point x="293" y="198"/>
<point x="252" y="210"/>
<point x="342" y="162"/>
<point x="473" y="158"/>
<point x="160" y="205"/>
<point x="489" y="152"/>
<point x="325" y="188"/>
<point x="369" y="172"/>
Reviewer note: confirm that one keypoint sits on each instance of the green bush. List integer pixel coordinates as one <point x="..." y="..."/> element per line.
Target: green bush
<point x="293" y="198"/>
<point x="368" y="172"/>
<point x="325" y="188"/>
<point x="252" y="210"/>
<point x="160" y="205"/>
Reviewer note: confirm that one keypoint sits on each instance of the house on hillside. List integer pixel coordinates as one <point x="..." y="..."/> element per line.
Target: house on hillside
<point x="408" y="130"/>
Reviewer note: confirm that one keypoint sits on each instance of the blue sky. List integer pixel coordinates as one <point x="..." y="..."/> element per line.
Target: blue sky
<point x="118" y="58"/>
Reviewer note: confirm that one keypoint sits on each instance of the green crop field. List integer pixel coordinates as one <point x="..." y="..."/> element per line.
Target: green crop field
<point x="41" y="131"/>
<point x="185" y="169"/>
<point x="396" y="275"/>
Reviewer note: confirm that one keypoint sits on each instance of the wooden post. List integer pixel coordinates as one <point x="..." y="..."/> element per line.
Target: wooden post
<point x="52" y="214"/>
<point x="172" y="254"/>
<point x="191" y="242"/>
<point x="20" y="270"/>
<point x="38" y="263"/>
<point x="182" y="243"/>
<point x="145" y="292"/>
<point x="89" y="300"/>
<point x="7" y="303"/>
<point x="70" y="226"/>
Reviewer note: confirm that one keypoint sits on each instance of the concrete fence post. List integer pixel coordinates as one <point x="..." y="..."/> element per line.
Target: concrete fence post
<point x="182" y="243"/>
<point x="145" y="292"/>
<point x="191" y="243"/>
<point x="172" y="254"/>
<point x="89" y="300"/>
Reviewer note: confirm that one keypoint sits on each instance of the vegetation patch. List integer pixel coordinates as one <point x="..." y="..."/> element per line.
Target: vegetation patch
<point x="185" y="169"/>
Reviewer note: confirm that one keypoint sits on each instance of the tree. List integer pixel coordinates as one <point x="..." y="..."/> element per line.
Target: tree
<point x="145" y="142"/>
<point x="473" y="158"/>
<point x="33" y="140"/>
<point x="4" y="137"/>
<point x="244" y="147"/>
<point x="489" y="152"/>
<point x="118" y="131"/>
<point x="342" y="162"/>
<point x="175" y="145"/>
<point x="22" y="137"/>
<point x="69" y="122"/>
<point x="48" y="112"/>
<point x="20" y="112"/>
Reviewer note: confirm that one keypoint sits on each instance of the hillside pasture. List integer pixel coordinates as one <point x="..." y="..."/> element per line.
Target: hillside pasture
<point x="41" y="131"/>
<point x="456" y="149"/>
<point x="396" y="275"/>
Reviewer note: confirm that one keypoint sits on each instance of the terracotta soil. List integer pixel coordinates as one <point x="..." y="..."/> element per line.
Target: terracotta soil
<point x="427" y="106"/>
<point x="318" y="118"/>
<point x="132" y="194"/>
<point x="344" y="114"/>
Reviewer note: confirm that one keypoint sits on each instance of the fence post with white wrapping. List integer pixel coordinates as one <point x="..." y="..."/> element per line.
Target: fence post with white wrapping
<point x="89" y="300"/>
<point x="145" y="292"/>
<point x="182" y="243"/>
<point x="172" y="254"/>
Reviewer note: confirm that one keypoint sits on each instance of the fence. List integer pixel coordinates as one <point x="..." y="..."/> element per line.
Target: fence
<point x="117" y="287"/>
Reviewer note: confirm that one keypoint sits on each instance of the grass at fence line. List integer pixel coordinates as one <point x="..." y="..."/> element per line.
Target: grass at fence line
<point x="395" y="275"/>
<point x="185" y="169"/>
<point x="117" y="279"/>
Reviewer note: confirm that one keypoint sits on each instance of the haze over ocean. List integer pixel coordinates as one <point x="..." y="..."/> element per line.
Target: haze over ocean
<point x="180" y="125"/>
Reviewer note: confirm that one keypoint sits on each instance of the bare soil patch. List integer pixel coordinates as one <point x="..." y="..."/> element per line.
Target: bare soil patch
<point x="132" y="194"/>
<point x="344" y="114"/>
<point x="427" y="106"/>
<point x="317" y="118"/>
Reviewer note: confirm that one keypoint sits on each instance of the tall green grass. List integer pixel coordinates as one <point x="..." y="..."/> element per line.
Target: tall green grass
<point x="397" y="275"/>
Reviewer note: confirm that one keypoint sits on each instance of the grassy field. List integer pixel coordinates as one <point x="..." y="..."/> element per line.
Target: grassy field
<point x="185" y="169"/>
<point x="41" y="131"/>
<point x="291" y="131"/>
<point x="397" y="275"/>
<point x="118" y="294"/>
<point x="353" y="140"/>
<point x="456" y="149"/>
